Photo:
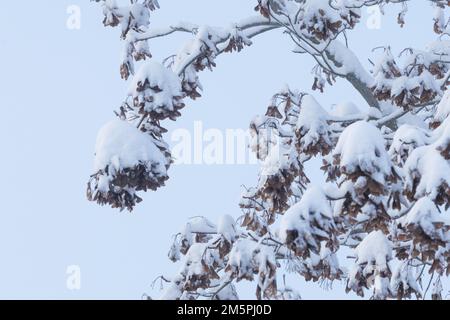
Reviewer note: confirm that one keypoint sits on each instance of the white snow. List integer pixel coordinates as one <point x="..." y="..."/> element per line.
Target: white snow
<point x="157" y="76"/>
<point x="193" y="260"/>
<point x="241" y="256"/>
<point x="362" y="145"/>
<point x="350" y="62"/>
<point x="345" y="109"/>
<point x="402" y="275"/>
<point x="277" y="159"/>
<point x="121" y="145"/>
<point x="205" y="39"/>
<point x="311" y="9"/>
<point x="374" y="249"/>
<point x="439" y="48"/>
<point x="384" y="64"/>
<point x="442" y="133"/>
<point x="424" y="213"/>
<point x="425" y="80"/>
<point x="173" y="290"/>
<point x="226" y="227"/>
<point x="407" y="138"/>
<point x="443" y="108"/>
<point x="432" y="168"/>
<point x="313" y="205"/>
<point x="381" y="287"/>
<point x="200" y="225"/>
<point x="312" y="121"/>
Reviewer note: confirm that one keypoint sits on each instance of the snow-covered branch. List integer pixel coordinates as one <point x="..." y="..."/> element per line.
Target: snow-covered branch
<point x="387" y="164"/>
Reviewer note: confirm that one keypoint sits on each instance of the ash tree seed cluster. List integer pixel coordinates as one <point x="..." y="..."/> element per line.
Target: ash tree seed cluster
<point x="387" y="164"/>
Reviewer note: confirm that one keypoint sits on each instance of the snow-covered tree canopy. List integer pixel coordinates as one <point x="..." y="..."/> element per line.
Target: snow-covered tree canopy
<point x="388" y="168"/>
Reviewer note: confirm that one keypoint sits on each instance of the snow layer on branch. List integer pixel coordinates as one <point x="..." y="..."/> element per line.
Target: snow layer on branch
<point x="140" y="14"/>
<point x="241" y="258"/>
<point x="121" y="145"/>
<point x="443" y="136"/>
<point x="345" y="109"/>
<point x="205" y="41"/>
<point x="403" y="278"/>
<point x="161" y="81"/>
<point x="374" y="249"/>
<point x="371" y="266"/>
<point x="277" y="159"/>
<point x="425" y="80"/>
<point x="385" y="66"/>
<point x="427" y="164"/>
<point x="313" y="205"/>
<point x="349" y="61"/>
<point x="194" y="259"/>
<point x="130" y="17"/>
<point x="424" y="213"/>
<point x="407" y="138"/>
<point x="227" y="228"/>
<point x="443" y="108"/>
<point x="312" y="121"/>
<point x="311" y="8"/>
<point x="173" y="290"/>
<point x="439" y="48"/>
<point x="199" y="225"/>
<point x="196" y="226"/>
<point x="248" y="258"/>
<point x="361" y="146"/>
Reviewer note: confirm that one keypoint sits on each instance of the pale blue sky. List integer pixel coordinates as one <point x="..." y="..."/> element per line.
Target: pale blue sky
<point x="59" y="86"/>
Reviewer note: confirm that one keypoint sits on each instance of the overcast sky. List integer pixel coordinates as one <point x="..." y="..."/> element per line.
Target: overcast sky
<point x="59" y="86"/>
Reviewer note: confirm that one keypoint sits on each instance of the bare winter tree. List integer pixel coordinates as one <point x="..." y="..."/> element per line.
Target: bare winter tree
<point x="388" y="168"/>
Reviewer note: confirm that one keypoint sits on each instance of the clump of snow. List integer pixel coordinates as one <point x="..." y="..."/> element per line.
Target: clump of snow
<point x="313" y="207"/>
<point x="442" y="133"/>
<point x="188" y="235"/>
<point x="372" y="256"/>
<point x="204" y="43"/>
<point x="407" y="138"/>
<point x="227" y="227"/>
<point x="381" y="286"/>
<point x="424" y="213"/>
<point x="248" y="258"/>
<point x="427" y="164"/>
<point x="412" y="119"/>
<point x="312" y="122"/>
<point x="310" y="112"/>
<point x="241" y="258"/>
<point x="374" y="249"/>
<point x="263" y="138"/>
<point x="194" y="259"/>
<point x="228" y="293"/>
<point x="276" y="160"/>
<point x="121" y="145"/>
<point x="140" y="15"/>
<point x="443" y="108"/>
<point x="385" y="66"/>
<point x="425" y="81"/>
<point x="361" y="146"/>
<point x="439" y="19"/>
<point x="403" y="277"/>
<point x="158" y="82"/>
<point x="199" y="224"/>
<point x="174" y="289"/>
<point x="373" y="113"/>
<point x="349" y="61"/>
<point x="311" y="9"/>
<point x="345" y="109"/>
<point x="439" y="48"/>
